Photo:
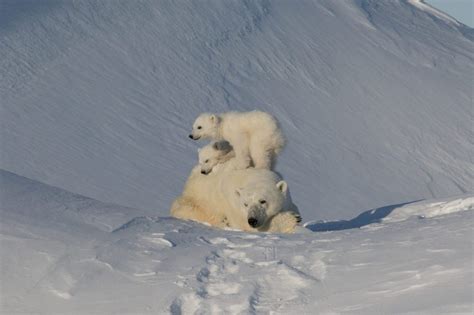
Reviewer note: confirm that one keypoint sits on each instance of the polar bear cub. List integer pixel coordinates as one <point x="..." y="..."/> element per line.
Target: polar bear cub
<point x="214" y="155"/>
<point x="255" y="136"/>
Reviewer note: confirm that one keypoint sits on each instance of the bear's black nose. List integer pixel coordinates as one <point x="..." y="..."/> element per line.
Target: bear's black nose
<point x="191" y="136"/>
<point x="203" y="172"/>
<point x="253" y="222"/>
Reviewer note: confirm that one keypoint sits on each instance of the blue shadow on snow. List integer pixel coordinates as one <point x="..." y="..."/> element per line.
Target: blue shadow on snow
<point x="365" y="218"/>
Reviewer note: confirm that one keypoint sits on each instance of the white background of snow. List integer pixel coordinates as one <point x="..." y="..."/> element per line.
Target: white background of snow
<point x="97" y="98"/>
<point x="63" y="253"/>
<point x="375" y="97"/>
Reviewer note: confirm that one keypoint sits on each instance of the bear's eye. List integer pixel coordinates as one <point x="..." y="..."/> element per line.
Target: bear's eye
<point x="206" y="161"/>
<point x="262" y="202"/>
<point x="199" y="127"/>
<point x="246" y="204"/>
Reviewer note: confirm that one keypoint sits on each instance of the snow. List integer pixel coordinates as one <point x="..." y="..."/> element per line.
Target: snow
<point x="65" y="261"/>
<point x="97" y="100"/>
<point x="439" y="14"/>
<point x="432" y="209"/>
<point x="375" y="98"/>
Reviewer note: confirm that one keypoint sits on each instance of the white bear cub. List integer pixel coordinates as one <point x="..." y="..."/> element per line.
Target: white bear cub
<point x="255" y="136"/>
<point x="214" y="155"/>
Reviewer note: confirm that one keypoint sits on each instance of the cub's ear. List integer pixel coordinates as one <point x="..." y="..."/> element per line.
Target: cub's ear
<point x="214" y="118"/>
<point x="282" y="186"/>
<point x="216" y="146"/>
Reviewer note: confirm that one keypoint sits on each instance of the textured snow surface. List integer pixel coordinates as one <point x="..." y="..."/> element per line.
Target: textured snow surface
<point x="62" y="253"/>
<point x="375" y="97"/>
<point x="97" y="99"/>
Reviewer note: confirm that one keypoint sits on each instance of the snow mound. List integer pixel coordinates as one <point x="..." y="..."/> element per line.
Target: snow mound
<point x="420" y="4"/>
<point x="45" y="204"/>
<point x="431" y="208"/>
<point x="375" y="97"/>
<point x="55" y="260"/>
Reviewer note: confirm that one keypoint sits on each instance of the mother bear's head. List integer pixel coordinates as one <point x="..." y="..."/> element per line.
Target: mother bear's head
<point x="262" y="200"/>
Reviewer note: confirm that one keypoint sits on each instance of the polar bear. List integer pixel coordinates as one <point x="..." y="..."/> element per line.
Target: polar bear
<point x="214" y="155"/>
<point x="195" y="204"/>
<point x="255" y="136"/>
<point x="249" y="200"/>
<point x="259" y="200"/>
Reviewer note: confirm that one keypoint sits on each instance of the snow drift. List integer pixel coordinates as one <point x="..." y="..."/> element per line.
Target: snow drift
<point x="97" y="98"/>
<point x="374" y="96"/>
<point x="64" y="253"/>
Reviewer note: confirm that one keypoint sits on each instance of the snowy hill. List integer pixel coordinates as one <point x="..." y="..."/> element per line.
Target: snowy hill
<point x="71" y="254"/>
<point x="98" y="97"/>
<point x="375" y="97"/>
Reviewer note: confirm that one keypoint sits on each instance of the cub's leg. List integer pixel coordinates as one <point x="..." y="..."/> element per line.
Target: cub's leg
<point x="242" y="152"/>
<point x="262" y="157"/>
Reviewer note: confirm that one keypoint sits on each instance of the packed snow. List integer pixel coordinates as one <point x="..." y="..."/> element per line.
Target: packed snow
<point x="64" y="253"/>
<point x="98" y="97"/>
<point x="375" y="97"/>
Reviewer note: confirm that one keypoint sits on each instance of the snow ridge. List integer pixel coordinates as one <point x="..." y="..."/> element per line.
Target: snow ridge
<point x="164" y="265"/>
<point x="98" y="98"/>
<point x="422" y="5"/>
<point x="366" y="91"/>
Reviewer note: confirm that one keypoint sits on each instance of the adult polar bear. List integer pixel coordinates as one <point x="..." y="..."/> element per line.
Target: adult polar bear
<point x="255" y="136"/>
<point x="249" y="200"/>
<point x="260" y="199"/>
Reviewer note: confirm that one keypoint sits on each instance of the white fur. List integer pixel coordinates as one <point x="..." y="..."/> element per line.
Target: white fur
<point x="255" y="136"/>
<point x="214" y="154"/>
<point x="219" y="197"/>
<point x="195" y="202"/>
<point x="246" y="189"/>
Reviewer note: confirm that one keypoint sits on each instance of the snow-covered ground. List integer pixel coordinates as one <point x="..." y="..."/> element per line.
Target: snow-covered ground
<point x="375" y="97"/>
<point x="64" y="253"/>
<point x="97" y="99"/>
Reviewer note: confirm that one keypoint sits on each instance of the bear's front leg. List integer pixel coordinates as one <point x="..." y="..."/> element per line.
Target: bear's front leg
<point x="284" y="222"/>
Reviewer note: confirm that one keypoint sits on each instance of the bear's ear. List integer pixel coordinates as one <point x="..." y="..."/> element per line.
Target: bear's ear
<point x="214" y="118"/>
<point x="216" y="146"/>
<point x="282" y="186"/>
<point x="237" y="192"/>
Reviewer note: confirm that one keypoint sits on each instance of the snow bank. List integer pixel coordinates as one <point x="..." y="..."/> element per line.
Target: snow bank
<point x="431" y="208"/>
<point x="420" y="4"/>
<point x="98" y="97"/>
<point x="55" y="259"/>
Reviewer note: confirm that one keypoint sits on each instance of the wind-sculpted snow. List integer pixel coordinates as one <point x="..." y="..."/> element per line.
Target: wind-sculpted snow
<point x="433" y="208"/>
<point x="159" y="265"/>
<point x="375" y="97"/>
<point x="97" y="99"/>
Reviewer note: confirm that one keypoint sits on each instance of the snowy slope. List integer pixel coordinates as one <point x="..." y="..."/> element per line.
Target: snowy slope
<point x="70" y="254"/>
<point x="375" y="97"/>
<point x="97" y="99"/>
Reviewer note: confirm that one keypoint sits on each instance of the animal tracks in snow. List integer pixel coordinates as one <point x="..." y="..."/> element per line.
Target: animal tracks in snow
<point x="223" y="287"/>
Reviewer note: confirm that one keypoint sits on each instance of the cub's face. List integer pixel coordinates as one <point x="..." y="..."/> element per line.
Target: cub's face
<point x="260" y="204"/>
<point x="212" y="154"/>
<point x="205" y="127"/>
